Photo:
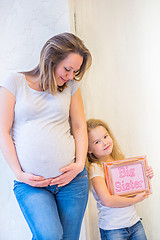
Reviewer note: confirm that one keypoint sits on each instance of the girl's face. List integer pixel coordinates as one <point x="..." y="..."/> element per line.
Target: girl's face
<point x="67" y="68"/>
<point x="99" y="142"/>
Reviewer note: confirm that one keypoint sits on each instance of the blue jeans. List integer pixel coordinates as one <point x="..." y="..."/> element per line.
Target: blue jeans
<point x="52" y="212"/>
<point x="135" y="232"/>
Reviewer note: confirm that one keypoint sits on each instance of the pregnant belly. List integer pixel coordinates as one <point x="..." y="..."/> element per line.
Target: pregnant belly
<point x="45" y="156"/>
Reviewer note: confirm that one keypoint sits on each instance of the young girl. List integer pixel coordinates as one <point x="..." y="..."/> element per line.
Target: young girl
<point x="117" y="215"/>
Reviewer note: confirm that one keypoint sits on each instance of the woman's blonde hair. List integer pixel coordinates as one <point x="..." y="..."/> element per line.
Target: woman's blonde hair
<point x="116" y="153"/>
<point x="53" y="52"/>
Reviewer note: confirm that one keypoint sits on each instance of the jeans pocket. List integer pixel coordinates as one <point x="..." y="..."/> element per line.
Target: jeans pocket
<point x="16" y="183"/>
<point x="18" y="188"/>
<point x="82" y="174"/>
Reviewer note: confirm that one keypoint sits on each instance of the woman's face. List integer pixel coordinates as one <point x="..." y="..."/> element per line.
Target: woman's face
<point x="67" y="68"/>
<point x="99" y="142"/>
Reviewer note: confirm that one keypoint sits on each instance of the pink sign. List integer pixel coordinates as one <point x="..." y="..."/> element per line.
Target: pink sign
<point x="127" y="177"/>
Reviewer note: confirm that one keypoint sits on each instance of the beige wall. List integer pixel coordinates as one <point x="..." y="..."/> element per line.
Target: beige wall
<point x="123" y="84"/>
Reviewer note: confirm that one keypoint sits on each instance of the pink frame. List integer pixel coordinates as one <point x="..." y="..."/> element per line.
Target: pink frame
<point x="127" y="177"/>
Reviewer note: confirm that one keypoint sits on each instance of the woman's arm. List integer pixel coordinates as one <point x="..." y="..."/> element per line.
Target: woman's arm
<point x="7" y="104"/>
<point x="109" y="200"/>
<point x="79" y="131"/>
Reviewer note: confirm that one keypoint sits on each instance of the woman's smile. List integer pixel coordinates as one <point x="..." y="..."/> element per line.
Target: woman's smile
<point x="63" y="80"/>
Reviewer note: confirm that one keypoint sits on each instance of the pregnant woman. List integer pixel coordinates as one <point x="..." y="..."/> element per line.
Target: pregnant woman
<point x="43" y="138"/>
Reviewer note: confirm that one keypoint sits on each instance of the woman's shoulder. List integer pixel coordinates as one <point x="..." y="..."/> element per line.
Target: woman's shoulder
<point x="11" y="81"/>
<point x="73" y="85"/>
<point x="12" y="77"/>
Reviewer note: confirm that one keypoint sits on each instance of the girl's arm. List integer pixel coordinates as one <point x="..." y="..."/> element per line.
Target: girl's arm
<point x="79" y="132"/>
<point x="109" y="200"/>
<point x="7" y="104"/>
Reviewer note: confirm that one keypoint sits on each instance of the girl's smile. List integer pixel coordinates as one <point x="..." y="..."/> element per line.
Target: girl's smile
<point x="107" y="147"/>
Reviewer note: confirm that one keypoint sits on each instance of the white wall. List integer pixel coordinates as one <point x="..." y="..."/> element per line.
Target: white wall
<point x="25" y="26"/>
<point x="123" y="84"/>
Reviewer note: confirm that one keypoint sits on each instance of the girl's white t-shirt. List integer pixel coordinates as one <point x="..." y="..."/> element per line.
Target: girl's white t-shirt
<point x="110" y="217"/>
<point x="41" y="129"/>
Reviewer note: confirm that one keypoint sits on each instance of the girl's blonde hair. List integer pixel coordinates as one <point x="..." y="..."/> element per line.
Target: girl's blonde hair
<point x="54" y="51"/>
<point x="116" y="152"/>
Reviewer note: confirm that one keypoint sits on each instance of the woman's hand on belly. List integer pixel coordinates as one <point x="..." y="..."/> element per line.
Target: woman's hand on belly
<point x="33" y="180"/>
<point x="69" y="173"/>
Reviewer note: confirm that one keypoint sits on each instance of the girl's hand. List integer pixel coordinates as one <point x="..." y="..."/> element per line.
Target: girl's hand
<point x="33" y="180"/>
<point x="149" y="172"/>
<point x="141" y="196"/>
<point x="69" y="173"/>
